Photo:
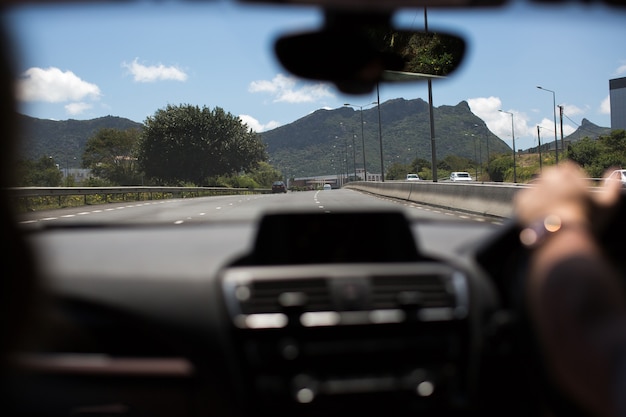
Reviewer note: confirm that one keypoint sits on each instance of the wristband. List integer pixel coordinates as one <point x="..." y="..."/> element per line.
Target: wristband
<point x="536" y="233"/>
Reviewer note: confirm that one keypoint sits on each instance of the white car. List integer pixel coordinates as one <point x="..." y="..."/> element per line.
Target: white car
<point x="412" y="177"/>
<point x="619" y="175"/>
<point x="460" y="176"/>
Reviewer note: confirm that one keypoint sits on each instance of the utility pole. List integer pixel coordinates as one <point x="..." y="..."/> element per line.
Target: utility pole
<point x="433" y="145"/>
<point x="561" y="116"/>
<point x="380" y="136"/>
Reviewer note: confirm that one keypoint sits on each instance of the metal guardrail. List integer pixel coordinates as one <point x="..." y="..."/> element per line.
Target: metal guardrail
<point x="65" y="191"/>
<point x="27" y="194"/>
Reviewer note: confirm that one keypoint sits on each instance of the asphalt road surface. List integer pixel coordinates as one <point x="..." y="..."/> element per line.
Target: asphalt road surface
<point x="237" y="208"/>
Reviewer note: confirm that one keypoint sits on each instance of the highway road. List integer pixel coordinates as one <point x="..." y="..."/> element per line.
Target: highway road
<point x="235" y="208"/>
<point x="438" y="229"/>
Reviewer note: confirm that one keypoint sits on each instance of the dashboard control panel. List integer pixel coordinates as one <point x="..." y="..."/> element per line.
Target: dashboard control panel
<point x="367" y="336"/>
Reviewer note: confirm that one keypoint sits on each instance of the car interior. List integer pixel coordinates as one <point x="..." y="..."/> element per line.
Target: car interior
<point x="254" y="318"/>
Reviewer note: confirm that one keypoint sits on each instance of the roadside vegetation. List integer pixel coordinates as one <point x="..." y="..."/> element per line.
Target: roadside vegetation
<point x="191" y="146"/>
<point x="178" y="146"/>
<point x="596" y="156"/>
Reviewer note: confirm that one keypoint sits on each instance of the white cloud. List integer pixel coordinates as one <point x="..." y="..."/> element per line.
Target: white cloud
<point x="77" y="108"/>
<point x="605" y="106"/>
<point x="148" y="74"/>
<point x="257" y="126"/>
<point x="572" y="110"/>
<point x="568" y="130"/>
<point x="54" y="86"/>
<point x="488" y="109"/>
<point x="621" y="70"/>
<point x="286" y="89"/>
<point x="547" y="129"/>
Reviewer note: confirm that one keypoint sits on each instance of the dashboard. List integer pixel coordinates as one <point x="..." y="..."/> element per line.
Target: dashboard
<point x="212" y="308"/>
<point x="215" y="319"/>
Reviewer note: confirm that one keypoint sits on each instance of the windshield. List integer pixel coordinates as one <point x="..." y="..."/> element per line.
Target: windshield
<point x="189" y="94"/>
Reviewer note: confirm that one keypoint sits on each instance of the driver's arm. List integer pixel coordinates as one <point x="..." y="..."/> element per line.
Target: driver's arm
<point x="576" y="300"/>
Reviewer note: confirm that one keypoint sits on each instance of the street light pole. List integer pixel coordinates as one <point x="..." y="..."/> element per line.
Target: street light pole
<point x="513" y="137"/>
<point x="345" y="144"/>
<point x="380" y="135"/>
<point x="556" y="144"/>
<point x="539" y="148"/>
<point x="561" y="120"/>
<point x="363" y="145"/>
<point x="431" y="115"/>
<point x="362" y="137"/>
<point x="353" y="156"/>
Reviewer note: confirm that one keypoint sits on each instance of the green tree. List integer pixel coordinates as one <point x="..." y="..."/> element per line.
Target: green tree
<point x="265" y="174"/>
<point x="191" y="144"/>
<point x="500" y="168"/>
<point x="111" y="154"/>
<point x="420" y="52"/>
<point x="41" y="173"/>
<point x="454" y="163"/>
<point x="596" y="156"/>
<point x="423" y="168"/>
<point x="431" y="53"/>
<point x="420" y="163"/>
<point x="585" y="152"/>
<point x="397" y="171"/>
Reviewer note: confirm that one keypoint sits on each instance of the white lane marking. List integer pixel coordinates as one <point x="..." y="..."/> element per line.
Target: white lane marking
<point x="82" y="213"/>
<point x="96" y="211"/>
<point x="218" y="208"/>
<point x="45" y="219"/>
<point x="68" y="216"/>
<point x="29" y="221"/>
<point x="201" y="214"/>
<point x="179" y="222"/>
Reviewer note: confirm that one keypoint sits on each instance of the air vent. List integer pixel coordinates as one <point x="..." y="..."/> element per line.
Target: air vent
<point x="276" y="296"/>
<point x="344" y="295"/>
<point x="411" y="291"/>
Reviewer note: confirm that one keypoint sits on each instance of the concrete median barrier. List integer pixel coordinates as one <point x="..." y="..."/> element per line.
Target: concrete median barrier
<point x="490" y="199"/>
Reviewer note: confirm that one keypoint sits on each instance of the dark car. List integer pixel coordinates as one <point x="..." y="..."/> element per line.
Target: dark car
<point x="279" y="187"/>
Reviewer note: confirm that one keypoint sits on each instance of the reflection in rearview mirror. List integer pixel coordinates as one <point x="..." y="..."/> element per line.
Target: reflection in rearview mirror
<point x="355" y="62"/>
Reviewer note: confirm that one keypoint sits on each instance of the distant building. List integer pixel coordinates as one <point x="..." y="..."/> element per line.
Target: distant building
<point x="371" y="176"/>
<point x="78" y="174"/>
<point x="617" y="93"/>
<point x="336" y="181"/>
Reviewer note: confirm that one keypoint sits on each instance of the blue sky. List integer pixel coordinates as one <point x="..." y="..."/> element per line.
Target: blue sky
<point x="131" y="60"/>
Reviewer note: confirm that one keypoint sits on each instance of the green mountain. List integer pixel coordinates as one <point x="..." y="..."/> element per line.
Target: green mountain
<point x="317" y="144"/>
<point x="321" y="142"/>
<point x="587" y="129"/>
<point x="64" y="140"/>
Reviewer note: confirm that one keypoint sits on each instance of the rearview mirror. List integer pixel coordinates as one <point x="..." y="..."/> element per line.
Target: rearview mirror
<point x="357" y="60"/>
